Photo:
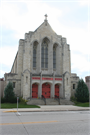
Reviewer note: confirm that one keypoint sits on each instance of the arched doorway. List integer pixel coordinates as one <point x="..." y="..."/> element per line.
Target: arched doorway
<point x="46" y="90"/>
<point x="57" y="91"/>
<point x="34" y="90"/>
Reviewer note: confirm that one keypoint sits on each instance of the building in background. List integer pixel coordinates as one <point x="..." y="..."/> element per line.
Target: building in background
<point x="87" y="80"/>
<point x="42" y="66"/>
<point x="1" y="87"/>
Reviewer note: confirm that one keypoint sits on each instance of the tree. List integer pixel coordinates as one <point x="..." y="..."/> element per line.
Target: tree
<point x="8" y="93"/>
<point x="82" y="92"/>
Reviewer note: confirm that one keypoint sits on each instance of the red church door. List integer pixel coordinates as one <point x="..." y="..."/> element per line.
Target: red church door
<point x="34" y="91"/>
<point x="46" y="90"/>
<point x="56" y="91"/>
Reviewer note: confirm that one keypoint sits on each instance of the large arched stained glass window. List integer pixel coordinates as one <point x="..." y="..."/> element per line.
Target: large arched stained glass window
<point x="44" y="55"/>
<point x="54" y="57"/>
<point x="34" y="55"/>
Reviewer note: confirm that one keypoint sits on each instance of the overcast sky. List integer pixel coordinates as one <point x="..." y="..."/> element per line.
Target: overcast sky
<point x="71" y="19"/>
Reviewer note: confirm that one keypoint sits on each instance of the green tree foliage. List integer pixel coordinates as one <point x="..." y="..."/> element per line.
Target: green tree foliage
<point x="82" y="92"/>
<point x="9" y="95"/>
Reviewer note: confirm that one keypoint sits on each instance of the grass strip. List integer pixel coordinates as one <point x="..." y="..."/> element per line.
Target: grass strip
<point x="14" y="105"/>
<point x="86" y="104"/>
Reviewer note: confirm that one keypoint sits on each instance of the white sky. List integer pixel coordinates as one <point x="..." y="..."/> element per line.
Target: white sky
<point x="71" y="19"/>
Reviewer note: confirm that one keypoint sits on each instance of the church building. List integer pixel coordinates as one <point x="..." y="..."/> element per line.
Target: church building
<point x="42" y="66"/>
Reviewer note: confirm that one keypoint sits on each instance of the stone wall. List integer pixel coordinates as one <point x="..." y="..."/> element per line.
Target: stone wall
<point x="14" y="66"/>
<point x="14" y="78"/>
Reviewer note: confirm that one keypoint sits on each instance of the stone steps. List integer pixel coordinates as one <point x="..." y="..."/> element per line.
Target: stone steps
<point x="35" y="101"/>
<point x="66" y="102"/>
<point x="49" y="101"/>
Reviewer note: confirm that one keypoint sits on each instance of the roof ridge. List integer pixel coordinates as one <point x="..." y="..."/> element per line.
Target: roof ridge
<point x="39" y="27"/>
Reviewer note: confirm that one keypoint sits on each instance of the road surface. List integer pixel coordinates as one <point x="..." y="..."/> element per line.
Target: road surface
<point x="45" y="123"/>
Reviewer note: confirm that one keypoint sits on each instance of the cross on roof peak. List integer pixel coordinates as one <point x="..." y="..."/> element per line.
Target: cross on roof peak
<point x="45" y="16"/>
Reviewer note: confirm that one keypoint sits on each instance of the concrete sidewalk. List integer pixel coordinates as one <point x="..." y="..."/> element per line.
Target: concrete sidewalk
<point x="44" y="108"/>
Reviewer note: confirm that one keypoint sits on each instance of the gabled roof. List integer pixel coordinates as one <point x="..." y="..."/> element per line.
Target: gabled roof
<point x="39" y="27"/>
<point x="45" y="23"/>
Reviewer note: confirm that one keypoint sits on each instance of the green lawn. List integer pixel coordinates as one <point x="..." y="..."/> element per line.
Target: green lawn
<point x="14" y="105"/>
<point x="82" y="104"/>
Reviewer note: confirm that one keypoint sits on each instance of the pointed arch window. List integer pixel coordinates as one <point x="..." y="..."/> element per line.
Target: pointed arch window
<point x="44" y="55"/>
<point x="54" y="57"/>
<point x="34" y="55"/>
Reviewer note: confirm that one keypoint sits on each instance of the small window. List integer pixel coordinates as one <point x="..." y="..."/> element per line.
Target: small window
<point x="46" y="65"/>
<point x="54" y="66"/>
<point x="13" y="84"/>
<point x="54" y="57"/>
<point x="34" y="55"/>
<point x="73" y="86"/>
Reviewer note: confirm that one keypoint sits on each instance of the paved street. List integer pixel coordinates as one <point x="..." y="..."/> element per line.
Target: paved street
<point x="45" y="123"/>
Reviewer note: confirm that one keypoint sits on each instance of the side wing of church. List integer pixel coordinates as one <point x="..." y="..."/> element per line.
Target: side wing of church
<point x="42" y="66"/>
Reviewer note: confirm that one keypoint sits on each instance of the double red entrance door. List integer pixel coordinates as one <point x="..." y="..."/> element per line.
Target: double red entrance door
<point x="46" y="90"/>
<point x="34" y="91"/>
<point x="56" y="91"/>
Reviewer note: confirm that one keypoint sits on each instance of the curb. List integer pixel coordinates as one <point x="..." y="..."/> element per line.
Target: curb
<point x="9" y="111"/>
<point x="45" y="110"/>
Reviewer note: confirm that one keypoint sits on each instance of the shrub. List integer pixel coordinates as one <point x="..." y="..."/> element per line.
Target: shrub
<point x="8" y="92"/>
<point x="13" y="99"/>
<point x="82" y="92"/>
<point x="73" y="98"/>
<point x="9" y="95"/>
<point x="3" y="100"/>
<point x="21" y="100"/>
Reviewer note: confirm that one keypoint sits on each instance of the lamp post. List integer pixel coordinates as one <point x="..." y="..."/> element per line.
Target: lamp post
<point x="17" y="107"/>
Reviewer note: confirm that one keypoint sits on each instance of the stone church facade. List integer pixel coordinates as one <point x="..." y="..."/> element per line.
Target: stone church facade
<point x="42" y="65"/>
